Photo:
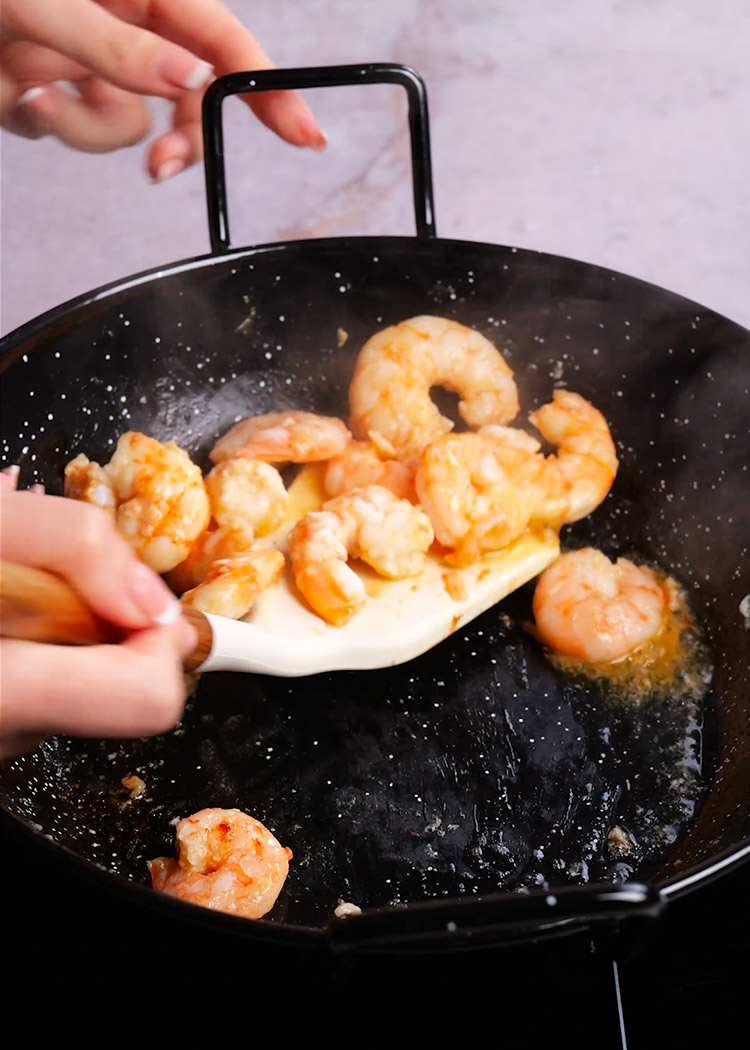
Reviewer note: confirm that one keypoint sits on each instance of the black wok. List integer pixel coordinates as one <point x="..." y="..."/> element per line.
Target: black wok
<point x="466" y="797"/>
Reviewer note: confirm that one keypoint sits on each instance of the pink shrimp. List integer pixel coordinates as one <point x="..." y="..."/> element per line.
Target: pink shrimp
<point x="284" y="437"/>
<point x="395" y="369"/>
<point x="589" y="608"/>
<point x="226" y="860"/>
<point x="389" y="534"/>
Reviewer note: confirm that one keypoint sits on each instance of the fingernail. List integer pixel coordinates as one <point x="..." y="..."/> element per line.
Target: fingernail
<point x="168" y="169"/>
<point x="312" y="136"/>
<point x="9" y="477"/>
<point x="153" y="597"/>
<point x="39" y="489"/>
<point x="29" y="95"/>
<point x="185" y="70"/>
<point x="39" y="104"/>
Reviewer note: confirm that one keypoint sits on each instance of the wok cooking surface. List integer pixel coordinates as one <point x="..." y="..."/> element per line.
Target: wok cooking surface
<point x="478" y="766"/>
<point x="472" y="769"/>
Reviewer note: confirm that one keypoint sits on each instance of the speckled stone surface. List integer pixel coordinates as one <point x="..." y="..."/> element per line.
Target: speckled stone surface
<point x="613" y="131"/>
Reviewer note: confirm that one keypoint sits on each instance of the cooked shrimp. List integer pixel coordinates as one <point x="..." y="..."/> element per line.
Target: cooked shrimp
<point x="212" y="546"/>
<point x="586" y="452"/>
<point x="89" y="482"/>
<point x="226" y="860"/>
<point x="395" y="369"/>
<point x="538" y="477"/>
<point x="162" y="503"/>
<point x="284" y="437"/>
<point x="473" y="505"/>
<point x="373" y="524"/>
<point x="587" y="607"/>
<point x="247" y="491"/>
<point x="233" y="585"/>
<point x="362" y="463"/>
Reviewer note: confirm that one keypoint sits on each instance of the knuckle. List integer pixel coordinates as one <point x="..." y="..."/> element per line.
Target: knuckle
<point x="117" y="52"/>
<point x="95" y="533"/>
<point x="126" y="52"/>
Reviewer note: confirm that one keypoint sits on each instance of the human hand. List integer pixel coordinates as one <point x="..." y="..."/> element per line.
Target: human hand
<point x="114" y="52"/>
<point x="132" y="689"/>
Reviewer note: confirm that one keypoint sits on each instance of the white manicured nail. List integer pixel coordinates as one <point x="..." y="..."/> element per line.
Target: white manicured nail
<point x="30" y="95"/>
<point x="171" y="614"/>
<point x="199" y="76"/>
<point x="167" y="170"/>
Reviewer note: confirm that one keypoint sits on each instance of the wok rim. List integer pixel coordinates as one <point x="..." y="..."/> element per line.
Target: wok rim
<point x="37" y="324"/>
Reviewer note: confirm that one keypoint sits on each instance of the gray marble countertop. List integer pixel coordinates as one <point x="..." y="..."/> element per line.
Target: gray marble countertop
<point x="613" y="131"/>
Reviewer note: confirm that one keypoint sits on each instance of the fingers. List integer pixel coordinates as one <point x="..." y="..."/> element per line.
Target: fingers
<point x="26" y="68"/>
<point x="26" y="64"/>
<point x="79" y="542"/>
<point x="210" y="30"/>
<point x="178" y="149"/>
<point x="9" y="478"/>
<point x="98" y="118"/>
<point x="133" y="689"/>
<point x="101" y="118"/>
<point x="169" y="48"/>
<point x="128" y="56"/>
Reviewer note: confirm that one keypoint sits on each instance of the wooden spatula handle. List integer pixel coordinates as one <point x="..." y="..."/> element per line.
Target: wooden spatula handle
<point x="202" y="650"/>
<point x="40" y="606"/>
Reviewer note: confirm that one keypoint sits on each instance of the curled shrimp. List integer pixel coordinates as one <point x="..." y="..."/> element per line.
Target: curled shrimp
<point x="213" y="545"/>
<point x="471" y="501"/>
<point x="247" y="491"/>
<point x="284" y="437"/>
<point x="364" y="463"/>
<point x="538" y="478"/>
<point x="161" y="500"/>
<point x="226" y="860"/>
<point x="395" y="369"/>
<point x="390" y="534"/>
<point x="586" y="452"/>
<point x="590" y="608"/>
<point x="87" y="481"/>
<point x="233" y="585"/>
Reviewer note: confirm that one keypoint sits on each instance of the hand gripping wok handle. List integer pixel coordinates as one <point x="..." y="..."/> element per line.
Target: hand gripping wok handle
<point x="499" y="919"/>
<point x="314" y="77"/>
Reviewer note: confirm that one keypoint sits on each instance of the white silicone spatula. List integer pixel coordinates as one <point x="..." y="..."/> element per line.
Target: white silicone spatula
<point x="282" y="636"/>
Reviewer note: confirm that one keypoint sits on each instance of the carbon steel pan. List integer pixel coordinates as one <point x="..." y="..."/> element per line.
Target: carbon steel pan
<point x="477" y="767"/>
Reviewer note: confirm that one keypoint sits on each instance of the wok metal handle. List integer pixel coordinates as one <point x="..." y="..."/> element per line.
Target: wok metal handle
<point x="497" y="919"/>
<point x="314" y="77"/>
